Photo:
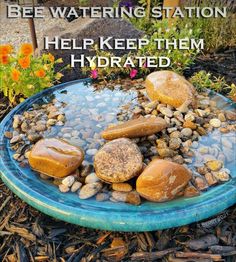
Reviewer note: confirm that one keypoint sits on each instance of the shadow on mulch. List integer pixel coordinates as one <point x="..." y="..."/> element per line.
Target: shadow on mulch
<point x="28" y="235"/>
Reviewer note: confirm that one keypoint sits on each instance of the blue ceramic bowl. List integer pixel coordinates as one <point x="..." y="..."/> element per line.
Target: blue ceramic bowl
<point x="107" y="215"/>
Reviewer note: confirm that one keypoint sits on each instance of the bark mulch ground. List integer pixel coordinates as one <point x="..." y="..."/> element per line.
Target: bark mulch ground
<point x="28" y="235"/>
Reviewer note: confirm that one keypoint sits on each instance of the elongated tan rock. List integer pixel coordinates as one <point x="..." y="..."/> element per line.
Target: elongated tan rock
<point x="55" y="157"/>
<point x="162" y="181"/>
<point x="118" y="161"/>
<point x="135" y="128"/>
<point x="169" y="88"/>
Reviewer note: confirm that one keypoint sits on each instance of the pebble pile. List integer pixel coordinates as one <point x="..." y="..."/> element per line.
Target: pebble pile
<point x="81" y="119"/>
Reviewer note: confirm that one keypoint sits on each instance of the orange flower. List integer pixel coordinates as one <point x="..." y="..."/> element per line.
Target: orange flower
<point x="40" y="73"/>
<point x="5" y="49"/>
<point x="26" y="49"/>
<point x="4" y="59"/>
<point x="15" y="74"/>
<point x="24" y="62"/>
<point x="51" y="57"/>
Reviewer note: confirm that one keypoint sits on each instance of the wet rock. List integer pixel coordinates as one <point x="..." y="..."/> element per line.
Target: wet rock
<point x="191" y="191"/>
<point x="210" y="178"/>
<point x="222" y="176"/>
<point x="55" y="157"/>
<point x="189" y="124"/>
<point x="63" y="188"/>
<point x="169" y="88"/>
<point x="118" y="161"/>
<point x="178" y="159"/>
<point x="231" y="115"/>
<point x="175" y="134"/>
<point x="33" y="137"/>
<point x="86" y="170"/>
<point x="17" y="120"/>
<point x="76" y="186"/>
<point x="186" y="132"/>
<point x="102" y="197"/>
<point x="61" y="118"/>
<point x="89" y="190"/>
<point x="166" y="152"/>
<point x="119" y="196"/>
<point x="8" y="135"/>
<point x="51" y="122"/>
<point x="162" y="180"/>
<point x="68" y="181"/>
<point x="91" y="178"/>
<point x="201" y="131"/>
<point x="91" y="152"/>
<point x="135" y="128"/>
<point x="16" y="139"/>
<point x="166" y="111"/>
<point x="201" y="183"/>
<point x="215" y="122"/>
<point x="190" y="117"/>
<point x="175" y="143"/>
<point x="40" y="127"/>
<point x="122" y="187"/>
<point x="133" y="198"/>
<point x="221" y="117"/>
<point x="214" y="165"/>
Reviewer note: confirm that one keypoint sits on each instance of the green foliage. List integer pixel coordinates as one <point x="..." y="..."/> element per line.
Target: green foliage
<point x="180" y="59"/>
<point x="202" y="80"/>
<point x="217" y="32"/>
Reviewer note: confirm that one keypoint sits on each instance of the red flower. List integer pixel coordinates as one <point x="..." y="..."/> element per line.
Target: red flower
<point x="94" y="74"/>
<point x="133" y="73"/>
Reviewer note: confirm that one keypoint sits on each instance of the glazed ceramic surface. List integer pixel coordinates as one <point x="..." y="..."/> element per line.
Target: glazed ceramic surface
<point x="148" y="216"/>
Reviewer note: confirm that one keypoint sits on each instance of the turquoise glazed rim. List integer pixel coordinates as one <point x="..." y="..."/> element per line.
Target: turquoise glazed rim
<point x="107" y="215"/>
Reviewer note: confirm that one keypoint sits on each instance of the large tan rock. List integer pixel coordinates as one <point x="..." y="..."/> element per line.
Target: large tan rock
<point x="118" y="161"/>
<point x="135" y="128"/>
<point x="169" y="88"/>
<point x="162" y="181"/>
<point x="55" y="157"/>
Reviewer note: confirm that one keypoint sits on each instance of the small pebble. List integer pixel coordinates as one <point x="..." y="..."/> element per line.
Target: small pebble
<point x="166" y="111"/>
<point x="68" y="181"/>
<point x="214" y="165"/>
<point x="187" y="132"/>
<point x="91" y="178"/>
<point x="89" y="190"/>
<point x="76" y="186"/>
<point x="215" y="122"/>
<point x="122" y="187"/>
<point x="221" y="176"/>
<point x="133" y="198"/>
<point x="119" y="196"/>
<point x="102" y="197"/>
<point x="64" y="188"/>
<point x="91" y="152"/>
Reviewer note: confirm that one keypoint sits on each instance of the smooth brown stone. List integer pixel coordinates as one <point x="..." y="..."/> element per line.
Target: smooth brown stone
<point x="55" y="157"/>
<point x="135" y="128"/>
<point x="162" y="180"/>
<point x="118" y="161"/>
<point x="169" y="88"/>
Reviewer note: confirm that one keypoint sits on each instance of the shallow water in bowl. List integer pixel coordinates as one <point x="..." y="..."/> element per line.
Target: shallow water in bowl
<point x="88" y="111"/>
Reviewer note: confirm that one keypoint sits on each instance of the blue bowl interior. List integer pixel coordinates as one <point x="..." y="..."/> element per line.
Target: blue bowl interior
<point x="107" y="215"/>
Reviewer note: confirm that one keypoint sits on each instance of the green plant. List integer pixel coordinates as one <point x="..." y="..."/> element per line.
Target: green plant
<point x="217" y="32"/>
<point x="23" y="75"/>
<point x="180" y="59"/>
<point x="202" y="80"/>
